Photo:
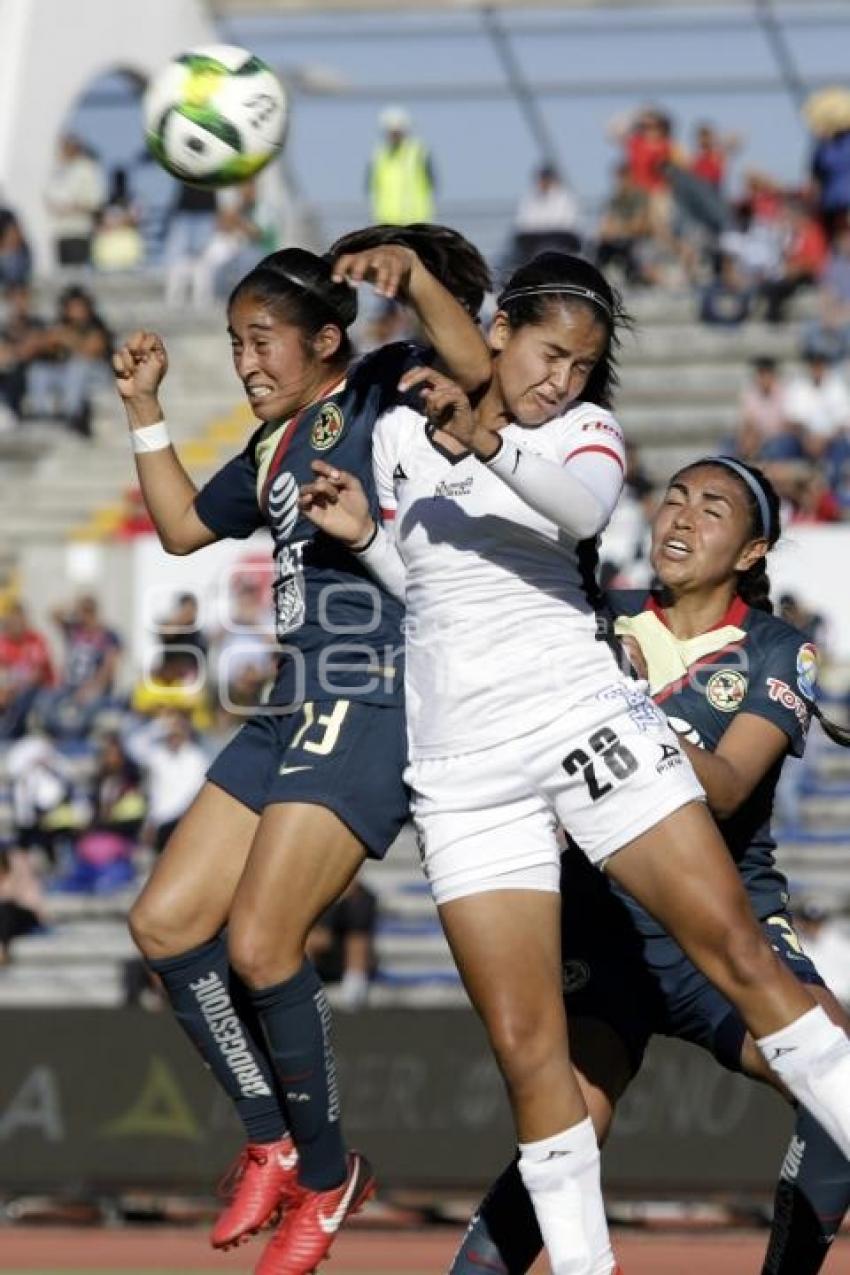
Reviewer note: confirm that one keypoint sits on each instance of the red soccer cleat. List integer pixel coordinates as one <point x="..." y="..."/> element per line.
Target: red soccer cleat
<point x="257" y="1184"/>
<point x="307" y="1232"/>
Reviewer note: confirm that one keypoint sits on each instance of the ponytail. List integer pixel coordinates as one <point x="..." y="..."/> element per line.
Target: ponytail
<point x="753" y="587"/>
<point x="838" y="734"/>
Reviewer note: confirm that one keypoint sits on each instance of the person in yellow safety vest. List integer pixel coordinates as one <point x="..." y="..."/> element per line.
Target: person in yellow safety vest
<point x="400" y="176"/>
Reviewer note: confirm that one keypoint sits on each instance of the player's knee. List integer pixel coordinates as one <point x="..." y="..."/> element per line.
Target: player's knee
<point x="259" y="959"/>
<point x="153" y="930"/>
<point x="746" y="955"/>
<point x="523" y="1042"/>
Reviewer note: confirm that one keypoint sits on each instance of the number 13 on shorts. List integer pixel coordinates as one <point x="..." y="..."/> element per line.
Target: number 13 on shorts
<point x="319" y="732"/>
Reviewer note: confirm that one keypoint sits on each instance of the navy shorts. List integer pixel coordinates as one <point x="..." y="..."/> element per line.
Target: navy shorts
<point x="341" y="754"/>
<point x="642" y="986"/>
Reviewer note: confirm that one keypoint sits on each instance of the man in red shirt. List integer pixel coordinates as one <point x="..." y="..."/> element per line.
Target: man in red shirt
<point x="803" y="258"/>
<point x="25" y="668"/>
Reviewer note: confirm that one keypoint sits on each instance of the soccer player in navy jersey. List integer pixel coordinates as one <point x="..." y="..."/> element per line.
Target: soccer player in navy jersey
<point x="737" y="684"/>
<point x="312" y="784"/>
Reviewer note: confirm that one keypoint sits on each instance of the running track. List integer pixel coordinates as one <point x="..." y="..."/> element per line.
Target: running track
<point x="363" y="1252"/>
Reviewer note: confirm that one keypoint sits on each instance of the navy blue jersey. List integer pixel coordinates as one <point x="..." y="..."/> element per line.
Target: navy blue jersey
<point x="750" y="662"/>
<point x="339" y="634"/>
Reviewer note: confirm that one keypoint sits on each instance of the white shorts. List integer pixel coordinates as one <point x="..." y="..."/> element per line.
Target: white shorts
<point x="607" y="771"/>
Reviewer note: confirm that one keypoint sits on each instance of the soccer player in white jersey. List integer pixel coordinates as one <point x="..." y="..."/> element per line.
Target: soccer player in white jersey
<point x="519" y="717"/>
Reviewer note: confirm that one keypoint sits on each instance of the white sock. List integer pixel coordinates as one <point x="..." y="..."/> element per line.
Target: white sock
<point x="812" y="1057"/>
<point x="561" y="1174"/>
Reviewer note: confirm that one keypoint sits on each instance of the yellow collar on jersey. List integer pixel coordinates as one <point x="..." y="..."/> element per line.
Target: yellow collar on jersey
<point x="668" y="658"/>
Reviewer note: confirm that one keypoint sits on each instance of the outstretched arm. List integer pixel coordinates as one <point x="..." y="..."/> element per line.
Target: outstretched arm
<point x="169" y="493"/>
<point x="396" y="272"/>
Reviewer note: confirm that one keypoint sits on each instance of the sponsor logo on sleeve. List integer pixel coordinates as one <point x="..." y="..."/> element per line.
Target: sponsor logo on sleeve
<point x="807" y="669"/>
<point x="726" y="689"/>
<point x="781" y="693"/>
<point x="603" y="427"/>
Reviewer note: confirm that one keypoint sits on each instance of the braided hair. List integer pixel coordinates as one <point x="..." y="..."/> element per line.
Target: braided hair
<point x="445" y="254"/>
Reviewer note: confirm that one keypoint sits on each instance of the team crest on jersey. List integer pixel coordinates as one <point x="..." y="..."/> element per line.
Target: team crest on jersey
<point x="576" y="975"/>
<point x="807" y="669"/>
<point x="327" y="427"/>
<point x="726" y="689"/>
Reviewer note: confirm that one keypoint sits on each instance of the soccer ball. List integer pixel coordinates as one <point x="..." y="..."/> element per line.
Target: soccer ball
<point x="215" y="116"/>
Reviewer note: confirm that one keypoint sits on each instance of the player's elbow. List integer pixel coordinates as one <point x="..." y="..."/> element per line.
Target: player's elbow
<point x="177" y="544"/>
<point x="727" y="801"/>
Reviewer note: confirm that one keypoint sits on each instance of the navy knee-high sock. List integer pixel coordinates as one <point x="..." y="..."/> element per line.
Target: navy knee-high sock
<point x="214" y="1010"/>
<point x="503" y="1236"/>
<point x="296" y="1019"/>
<point x="812" y="1196"/>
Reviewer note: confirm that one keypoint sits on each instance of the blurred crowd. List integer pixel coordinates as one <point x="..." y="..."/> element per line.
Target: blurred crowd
<point x="98" y="766"/>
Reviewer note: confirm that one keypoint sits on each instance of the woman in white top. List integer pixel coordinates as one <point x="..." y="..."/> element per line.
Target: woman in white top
<point x="520" y="718"/>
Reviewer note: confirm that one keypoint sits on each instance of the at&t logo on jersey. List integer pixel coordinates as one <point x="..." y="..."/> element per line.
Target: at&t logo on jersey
<point x="288" y="589"/>
<point x="283" y="505"/>
<point x="726" y="689"/>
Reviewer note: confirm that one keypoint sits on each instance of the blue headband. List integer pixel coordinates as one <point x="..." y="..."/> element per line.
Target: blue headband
<point x="751" y="482"/>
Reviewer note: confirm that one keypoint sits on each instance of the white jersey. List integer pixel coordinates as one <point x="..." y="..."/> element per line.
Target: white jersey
<point x="502" y="633"/>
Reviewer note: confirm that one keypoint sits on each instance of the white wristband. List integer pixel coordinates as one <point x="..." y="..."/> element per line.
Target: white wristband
<point x="150" y="438"/>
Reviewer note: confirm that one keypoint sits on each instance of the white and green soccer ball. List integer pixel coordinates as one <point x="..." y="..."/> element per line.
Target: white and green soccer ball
<point x="215" y="116"/>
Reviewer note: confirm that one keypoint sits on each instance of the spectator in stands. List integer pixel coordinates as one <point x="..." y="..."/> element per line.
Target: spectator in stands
<point x="803" y="258"/>
<point x="74" y="361"/>
<point x="646" y="138"/>
<point x="41" y="793"/>
<point x="244" y="654"/>
<point x="20" y="900"/>
<point x="818" y="404"/>
<point x="181" y="628"/>
<point x="15" y="256"/>
<point x="826" y="939"/>
<point x="830" y="332"/>
<point x="87" y="683"/>
<point x="812" y="500"/>
<point x="175" y="767"/>
<point x="624" y="228"/>
<point x="234" y="247"/>
<point x="75" y="194"/>
<point x="400" y="178"/>
<point x="710" y="155"/>
<point x="763" y="430"/>
<point x="828" y="116"/>
<point x="22" y="340"/>
<point x="134" y="519"/>
<point x="754" y="236"/>
<point x="102" y="859"/>
<point x="547" y="218"/>
<point x="809" y="623"/>
<point x="190" y="225"/>
<point x="726" y="301"/>
<point x="118" y="242"/>
<point x="342" y="944"/>
<point x="25" y="669"/>
<point x="177" y="681"/>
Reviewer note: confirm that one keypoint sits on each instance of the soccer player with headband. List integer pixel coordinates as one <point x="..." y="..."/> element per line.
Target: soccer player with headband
<point x="520" y="718"/>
